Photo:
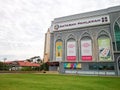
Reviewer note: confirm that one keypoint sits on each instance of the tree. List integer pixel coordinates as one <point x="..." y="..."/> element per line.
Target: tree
<point x="28" y="60"/>
<point x="4" y="66"/>
<point x="1" y="65"/>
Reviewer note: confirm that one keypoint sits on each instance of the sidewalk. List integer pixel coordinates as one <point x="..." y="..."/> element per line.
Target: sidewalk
<point x="48" y="72"/>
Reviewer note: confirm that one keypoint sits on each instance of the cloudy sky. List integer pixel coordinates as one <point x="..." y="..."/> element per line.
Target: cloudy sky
<point x="23" y="23"/>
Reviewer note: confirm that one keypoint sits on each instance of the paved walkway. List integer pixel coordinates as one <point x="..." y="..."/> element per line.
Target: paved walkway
<point x="38" y="72"/>
<point x="48" y="72"/>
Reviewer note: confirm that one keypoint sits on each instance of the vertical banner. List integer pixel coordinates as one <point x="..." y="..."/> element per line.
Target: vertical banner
<point x="104" y="49"/>
<point x="71" y="51"/>
<point x="86" y="50"/>
<point x="58" y="51"/>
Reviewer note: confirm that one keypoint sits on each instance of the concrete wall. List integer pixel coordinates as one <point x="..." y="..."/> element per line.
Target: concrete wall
<point x="77" y="34"/>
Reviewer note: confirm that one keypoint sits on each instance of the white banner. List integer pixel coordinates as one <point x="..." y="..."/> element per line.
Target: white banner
<point x="86" y="50"/>
<point x="84" y="22"/>
<point x="71" y="50"/>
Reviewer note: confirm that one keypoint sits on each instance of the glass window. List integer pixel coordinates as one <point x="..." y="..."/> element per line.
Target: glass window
<point x="117" y="34"/>
<point x="119" y="64"/>
<point x="99" y="66"/>
<point x="106" y="66"/>
<point x="93" y="67"/>
<point x="110" y="67"/>
<point x="113" y="45"/>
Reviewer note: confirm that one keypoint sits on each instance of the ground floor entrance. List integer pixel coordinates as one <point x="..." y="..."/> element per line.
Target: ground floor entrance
<point x="118" y="65"/>
<point x="88" y="68"/>
<point x="53" y="66"/>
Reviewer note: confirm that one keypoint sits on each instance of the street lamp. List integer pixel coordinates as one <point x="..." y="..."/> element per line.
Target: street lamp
<point x="4" y="63"/>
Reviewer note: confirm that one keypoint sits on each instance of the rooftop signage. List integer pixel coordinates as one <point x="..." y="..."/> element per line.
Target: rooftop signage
<point x="84" y="22"/>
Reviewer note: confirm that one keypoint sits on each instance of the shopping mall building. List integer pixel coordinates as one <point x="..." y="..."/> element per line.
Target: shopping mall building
<point x="86" y="43"/>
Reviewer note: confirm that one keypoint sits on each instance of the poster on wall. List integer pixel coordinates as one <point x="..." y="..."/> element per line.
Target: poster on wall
<point x="86" y="50"/>
<point x="104" y="49"/>
<point x="71" y="51"/>
<point x="72" y="65"/>
<point x="58" y="51"/>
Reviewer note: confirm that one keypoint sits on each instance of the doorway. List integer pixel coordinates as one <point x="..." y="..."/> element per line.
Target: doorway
<point x="118" y="65"/>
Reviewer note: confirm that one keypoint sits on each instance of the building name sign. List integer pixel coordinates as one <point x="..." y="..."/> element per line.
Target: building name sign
<point x="84" y="22"/>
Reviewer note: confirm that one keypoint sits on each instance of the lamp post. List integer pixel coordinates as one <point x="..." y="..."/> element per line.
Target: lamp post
<point x="4" y="63"/>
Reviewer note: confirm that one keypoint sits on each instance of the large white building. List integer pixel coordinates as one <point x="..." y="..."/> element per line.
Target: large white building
<point x="86" y="43"/>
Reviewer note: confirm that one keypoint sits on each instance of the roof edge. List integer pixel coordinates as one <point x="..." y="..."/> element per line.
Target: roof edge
<point x="87" y="14"/>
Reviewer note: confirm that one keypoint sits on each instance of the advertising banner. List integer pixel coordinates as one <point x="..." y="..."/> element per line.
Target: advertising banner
<point x="104" y="49"/>
<point x="72" y="65"/>
<point x="58" y="51"/>
<point x="86" y="50"/>
<point x="71" y="51"/>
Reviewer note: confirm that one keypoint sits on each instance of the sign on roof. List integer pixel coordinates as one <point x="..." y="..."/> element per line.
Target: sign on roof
<point x="84" y="22"/>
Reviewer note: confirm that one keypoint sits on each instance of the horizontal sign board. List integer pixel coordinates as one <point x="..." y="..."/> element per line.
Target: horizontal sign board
<point x="84" y="22"/>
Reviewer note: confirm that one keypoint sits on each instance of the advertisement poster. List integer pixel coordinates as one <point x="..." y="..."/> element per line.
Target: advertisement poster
<point x="58" y="51"/>
<point x="71" y="51"/>
<point x="104" y="49"/>
<point x="72" y="65"/>
<point x="86" y="50"/>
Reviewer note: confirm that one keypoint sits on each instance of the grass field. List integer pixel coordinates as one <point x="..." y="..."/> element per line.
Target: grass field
<point x="57" y="82"/>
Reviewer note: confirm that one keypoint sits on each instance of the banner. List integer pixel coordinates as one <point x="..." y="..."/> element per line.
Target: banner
<point x="72" y="65"/>
<point x="104" y="49"/>
<point x="71" y="51"/>
<point x="86" y="50"/>
<point x="58" y="51"/>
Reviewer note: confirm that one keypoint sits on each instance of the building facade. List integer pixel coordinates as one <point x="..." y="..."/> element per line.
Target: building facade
<point x="86" y="43"/>
<point x="47" y="47"/>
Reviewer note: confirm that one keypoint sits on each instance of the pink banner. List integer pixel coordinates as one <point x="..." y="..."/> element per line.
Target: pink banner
<point x="71" y="58"/>
<point x="87" y="58"/>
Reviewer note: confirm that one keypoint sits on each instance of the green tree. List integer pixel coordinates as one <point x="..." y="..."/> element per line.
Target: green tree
<point x="4" y="66"/>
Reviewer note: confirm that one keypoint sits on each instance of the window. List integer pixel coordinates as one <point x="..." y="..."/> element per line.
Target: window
<point x="117" y="34"/>
<point x="102" y="66"/>
<point x="113" y="45"/>
<point x="106" y="67"/>
<point x="119" y="64"/>
<point x="93" y="67"/>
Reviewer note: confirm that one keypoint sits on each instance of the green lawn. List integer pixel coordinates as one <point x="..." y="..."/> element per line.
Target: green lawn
<point x="57" y="82"/>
